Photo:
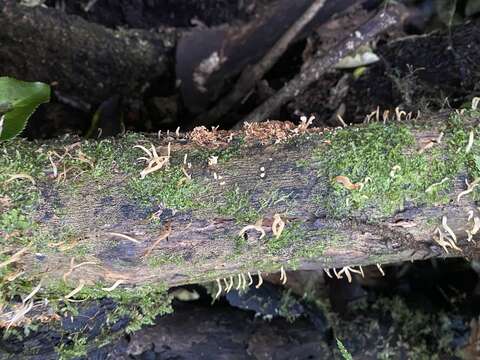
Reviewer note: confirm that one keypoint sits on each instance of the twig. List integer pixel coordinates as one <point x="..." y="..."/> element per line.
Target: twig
<point x="320" y="64"/>
<point x="123" y="236"/>
<point x="251" y="75"/>
<point x="163" y="235"/>
<point x="14" y="257"/>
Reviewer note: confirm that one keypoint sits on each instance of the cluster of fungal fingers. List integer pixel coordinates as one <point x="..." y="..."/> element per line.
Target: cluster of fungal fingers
<point x="70" y="162"/>
<point x="385" y="116"/>
<point x="445" y="236"/>
<point x="348" y="270"/>
<point x="153" y="160"/>
<point x="278" y="225"/>
<point x="229" y="283"/>
<point x="241" y="282"/>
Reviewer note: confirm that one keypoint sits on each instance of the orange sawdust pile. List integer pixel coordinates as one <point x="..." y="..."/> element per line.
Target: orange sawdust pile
<point x="267" y="132"/>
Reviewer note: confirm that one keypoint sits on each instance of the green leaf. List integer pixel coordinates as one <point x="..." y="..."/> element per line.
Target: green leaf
<point x="345" y="354"/>
<point x="18" y="101"/>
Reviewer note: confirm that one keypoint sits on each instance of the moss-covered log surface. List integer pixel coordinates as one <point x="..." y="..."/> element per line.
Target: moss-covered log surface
<point x="79" y="223"/>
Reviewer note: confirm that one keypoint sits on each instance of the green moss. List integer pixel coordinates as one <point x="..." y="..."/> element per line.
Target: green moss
<point x="237" y="204"/>
<point x="312" y="251"/>
<point x="418" y="328"/>
<point x="17" y="157"/>
<point x="74" y="349"/>
<point x="239" y="244"/>
<point x="111" y="155"/>
<point x="168" y="187"/>
<point x="291" y="237"/>
<point x="401" y="331"/>
<point x="166" y="259"/>
<point x="141" y="305"/>
<point x="373" y="151"/>
<point x="288" y="304"/>
<point x="241" y="206"/>
<point x="14" y="220"/>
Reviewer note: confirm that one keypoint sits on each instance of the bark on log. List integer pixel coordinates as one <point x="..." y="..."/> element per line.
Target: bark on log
<point x="88" y="62"/>
<point x="77" y="214"/>
<point x="199" y="219"/>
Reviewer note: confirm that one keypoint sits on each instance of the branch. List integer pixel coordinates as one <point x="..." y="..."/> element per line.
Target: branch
<point x="251" y="75"/>
<point x="320" y="64"/>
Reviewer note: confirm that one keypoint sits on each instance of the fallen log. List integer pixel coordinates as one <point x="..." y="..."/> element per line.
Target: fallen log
<point x="83" y="220"/>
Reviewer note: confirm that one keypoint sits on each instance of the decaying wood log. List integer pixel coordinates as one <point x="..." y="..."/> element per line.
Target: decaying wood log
<point x="86" y="62"/>
<point x="92" y="196"/>
<point x="84" y="220"/>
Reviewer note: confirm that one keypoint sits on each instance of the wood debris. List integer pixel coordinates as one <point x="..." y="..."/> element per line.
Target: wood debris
<point x="403" y="224"/>
<point x="276" y="132"/>
<point x="213" y="138"/>
<point x="430" y="142"/>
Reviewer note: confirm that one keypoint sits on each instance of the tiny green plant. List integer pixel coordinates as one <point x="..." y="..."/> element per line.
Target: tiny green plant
<point x="345" y="354"/>
<point x="18" y="101"/>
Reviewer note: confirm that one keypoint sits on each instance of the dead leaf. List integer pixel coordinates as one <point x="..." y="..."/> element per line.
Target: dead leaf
<point x="347" y="183"/>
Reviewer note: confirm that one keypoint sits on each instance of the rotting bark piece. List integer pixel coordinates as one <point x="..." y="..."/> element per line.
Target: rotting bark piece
<point x="35" y="40"/>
